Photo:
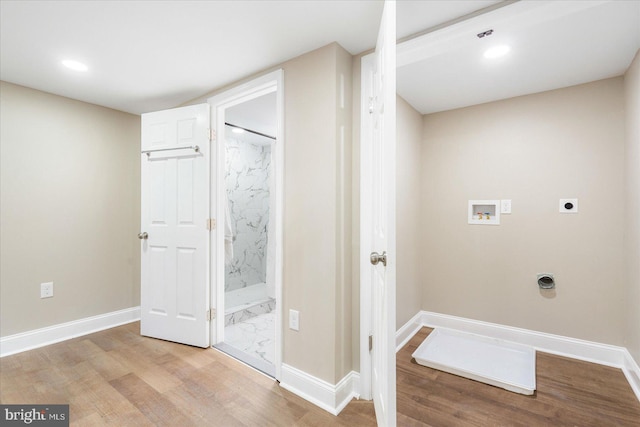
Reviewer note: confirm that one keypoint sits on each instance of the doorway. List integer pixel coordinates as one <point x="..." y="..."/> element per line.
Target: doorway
<point x="246" y="186"/>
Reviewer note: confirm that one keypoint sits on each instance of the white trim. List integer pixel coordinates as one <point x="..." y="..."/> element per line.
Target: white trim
<point x="366" y="219"/>
<point x="555" y="344"/>
<point x="408" y="330"/>
<point x="346" y="389"/>
<point x="632" y="372"/>
<point x="279" y="217"/>
<point x="589" y="351"/>
<point x="12" y="344"/>
<point x="268" y="83"/>
<point x="331" y="398"/>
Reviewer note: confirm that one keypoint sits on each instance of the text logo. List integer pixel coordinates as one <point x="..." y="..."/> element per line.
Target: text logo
<point x="35" y="415"/>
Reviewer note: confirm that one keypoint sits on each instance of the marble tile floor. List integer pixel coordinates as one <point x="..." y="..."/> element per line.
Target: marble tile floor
<point x="254" y="337"/>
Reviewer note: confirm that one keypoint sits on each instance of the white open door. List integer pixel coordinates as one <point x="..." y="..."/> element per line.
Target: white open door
<point x="378" y="204"/>
<point x="175" y="235"/>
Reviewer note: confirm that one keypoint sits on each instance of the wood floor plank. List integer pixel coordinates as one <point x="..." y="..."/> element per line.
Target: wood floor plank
<point x="156" y="407"/>
<point x="119" y="378"/>
<point x="201" y="407"/>
<point x="108" y="366"/>
<point x="146" y="366"/>
<point x="124" y="419"/>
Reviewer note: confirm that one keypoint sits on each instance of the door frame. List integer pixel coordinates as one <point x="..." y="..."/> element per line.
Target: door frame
<point x="366" y="89"/>
<point x="268" y="83"/>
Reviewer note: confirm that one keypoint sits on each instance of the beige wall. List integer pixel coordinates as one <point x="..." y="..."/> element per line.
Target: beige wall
<point x="310" y="264"/>
<point x="632" y="222"/>
<point x="534" y="150"/>
<point x="408" y="172"/>
<point x="317" y="213"/>
<point x="70" y="209"/>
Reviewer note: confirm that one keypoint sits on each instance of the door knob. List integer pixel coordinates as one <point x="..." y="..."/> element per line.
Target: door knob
<point x="143" y="236"/>
<point x="376" y="258"/>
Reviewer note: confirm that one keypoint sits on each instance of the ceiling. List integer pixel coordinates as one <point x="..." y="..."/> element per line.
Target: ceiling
<point x="151" y="55"/>
<point x="258" y="115"/>
<point x="146" y="55"/>
<point x="553" y="45"/>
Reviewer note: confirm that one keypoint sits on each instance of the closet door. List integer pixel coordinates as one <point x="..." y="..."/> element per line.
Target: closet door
<point x="378" y="216"/>
<point x="174" y="235"/>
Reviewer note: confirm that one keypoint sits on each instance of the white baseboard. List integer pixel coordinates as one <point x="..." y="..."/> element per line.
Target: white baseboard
<point x="331" y="398"/>
<point x="632" y="372"/>
<point x="603" y="354"/>
<point x="408" y="330"/>
<point x="29" y="340"/>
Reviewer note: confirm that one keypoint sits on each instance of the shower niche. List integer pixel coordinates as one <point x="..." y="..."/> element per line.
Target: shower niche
<point x="484" y="212"/>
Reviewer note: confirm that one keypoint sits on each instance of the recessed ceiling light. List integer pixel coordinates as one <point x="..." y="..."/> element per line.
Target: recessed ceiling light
<point x="237" y="130"/>
<point x="497" y="51"/>
<point x="74" y="65"/>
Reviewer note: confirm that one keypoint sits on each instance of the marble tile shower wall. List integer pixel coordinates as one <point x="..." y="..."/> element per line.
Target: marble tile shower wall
<point x="247" y="183"/>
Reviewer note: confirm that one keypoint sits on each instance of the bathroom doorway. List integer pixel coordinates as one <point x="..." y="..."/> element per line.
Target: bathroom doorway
<point x="247" y="180"/>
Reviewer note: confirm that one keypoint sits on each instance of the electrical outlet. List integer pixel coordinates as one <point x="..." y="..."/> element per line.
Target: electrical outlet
<point x="294" y="320"/>
<point x="505" y="206"/>
<point x="46" y="290"/>
<point x="568" y="206"/>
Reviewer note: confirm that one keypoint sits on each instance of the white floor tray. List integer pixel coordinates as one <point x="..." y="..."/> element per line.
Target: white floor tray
<point x="496" y="362"/>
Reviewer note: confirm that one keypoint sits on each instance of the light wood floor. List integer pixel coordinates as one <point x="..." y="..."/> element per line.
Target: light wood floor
<point x="116" y="377"/>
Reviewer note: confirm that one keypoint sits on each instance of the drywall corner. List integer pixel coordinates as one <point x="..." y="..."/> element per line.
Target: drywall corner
<point x="408" y="185"/>
<point x="632" y="192"/>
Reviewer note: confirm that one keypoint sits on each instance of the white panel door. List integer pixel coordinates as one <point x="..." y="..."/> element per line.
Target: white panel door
<point x="382" y="190"/>
<point x="174" y="235"/>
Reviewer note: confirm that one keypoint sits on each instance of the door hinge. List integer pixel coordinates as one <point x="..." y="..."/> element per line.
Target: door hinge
<point x="211" y="314"/>
<point x="211" y="224"/>
<point x="370" y="342"/>
<point x="212" y="134"/>
<point x="371" y="105"/>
